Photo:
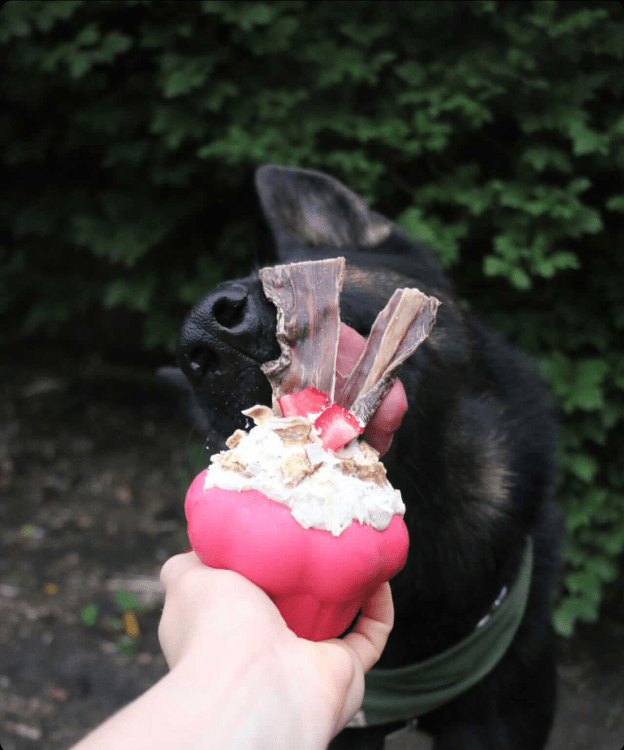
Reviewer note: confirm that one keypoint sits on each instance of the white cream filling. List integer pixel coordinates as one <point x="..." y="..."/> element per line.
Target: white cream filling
<point x="325" y="499"/>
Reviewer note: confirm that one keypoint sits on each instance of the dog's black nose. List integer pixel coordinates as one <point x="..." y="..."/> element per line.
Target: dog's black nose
<point x="225" y="330"/>
<point x="229" y="305"/>
<point x="210" y="329"/>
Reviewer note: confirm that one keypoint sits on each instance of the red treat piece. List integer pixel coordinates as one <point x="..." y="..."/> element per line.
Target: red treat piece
<point x="318" y="581"/>
<point x="336" y="427"/>
<point x="302" y="403"/>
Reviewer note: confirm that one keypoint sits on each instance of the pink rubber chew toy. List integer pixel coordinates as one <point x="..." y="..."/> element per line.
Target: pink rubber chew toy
<point x="318" y="581"/>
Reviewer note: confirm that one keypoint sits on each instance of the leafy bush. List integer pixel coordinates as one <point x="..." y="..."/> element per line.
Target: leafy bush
<point x="491" y="129"/>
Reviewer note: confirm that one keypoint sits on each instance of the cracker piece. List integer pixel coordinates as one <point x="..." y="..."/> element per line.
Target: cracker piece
<point x="235" y="438"/>
<point x="297" y="431"/>
<point x="232" y="461"/>
<point x="374" y="472"/>
<point x="295" y="468"/>
<point x="369" y="452"/>
<point x="259" y="413"/>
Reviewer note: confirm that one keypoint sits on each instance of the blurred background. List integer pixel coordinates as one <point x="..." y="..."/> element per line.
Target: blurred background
<point x="130" y="133"/>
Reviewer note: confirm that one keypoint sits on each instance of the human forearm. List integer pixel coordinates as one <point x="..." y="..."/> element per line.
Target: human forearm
<point x="247" y="706"/>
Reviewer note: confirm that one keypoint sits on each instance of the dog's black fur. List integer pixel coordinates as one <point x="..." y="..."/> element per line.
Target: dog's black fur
<point x="473" y="458"/>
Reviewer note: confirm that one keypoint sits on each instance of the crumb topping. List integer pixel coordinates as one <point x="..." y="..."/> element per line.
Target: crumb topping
<point x="284" y="458"/>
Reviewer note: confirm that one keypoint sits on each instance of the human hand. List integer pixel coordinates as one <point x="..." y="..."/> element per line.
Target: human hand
<point x="226" y="635"/>
<point x="388" y="417"/>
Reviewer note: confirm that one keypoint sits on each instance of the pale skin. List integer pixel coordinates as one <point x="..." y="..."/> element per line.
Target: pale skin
<point x="238" y="676"/>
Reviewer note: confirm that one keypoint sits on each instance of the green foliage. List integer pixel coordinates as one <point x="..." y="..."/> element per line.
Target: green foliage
<point x="126" y="599"/>
<point x="89" y="613"/>
<point x="492" y="130"/>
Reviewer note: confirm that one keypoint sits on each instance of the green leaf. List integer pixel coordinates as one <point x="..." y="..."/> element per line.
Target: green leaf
<point x="520" y="279"/>
<point x="603" y="567"/>
<point x="89" y="35"/>
<point x="616" y="203"/>
<point x="587" y="390"/>
<point x="477" y="200"/>
<point x="580" y="185"/>
<point x="136" y="294"/>
<point x="548" y="267"/>
<point x="412" y="72"/>
<point x="571" y="610"/>
<point x="582" y="20"/>
<point x="556" y="368"/>
<point x="575" y="554"/>
<point x="115" y="43"/>
<point x="543" y="157"/>
<point x="416" y="226"/>
<point x="578" y="516"/>
<point x="182" y="75"/>
<point x="89" y="613"/>
<point x="364" y="32"/>
<point x="249" y="14"/>
<point x="48" y="13"/>
<point x="564" y="621"/>
<point x="443" y="237"/>
<point x="583" y="467"/>
<point x="565" y="617"/>
<point x="614" y="544"/>
<point x="485" y="6"/>
<point x="506" y="245"/>
<point x="126" y="599"/>
<point x="79" y="64"/>
<point x="494" y="266"/>
<point x="585" y="583"/>
<point x="509" y="259"/>
<point x="588" y="221"/>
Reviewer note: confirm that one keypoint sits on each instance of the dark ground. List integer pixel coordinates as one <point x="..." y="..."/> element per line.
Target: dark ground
<point x="94" y="462"/>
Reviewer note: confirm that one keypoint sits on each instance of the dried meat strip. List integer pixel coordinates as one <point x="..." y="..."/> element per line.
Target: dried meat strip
<point x="308" y="327"/>
<point x="397" y="332"/>
<point x="308" y="324"/>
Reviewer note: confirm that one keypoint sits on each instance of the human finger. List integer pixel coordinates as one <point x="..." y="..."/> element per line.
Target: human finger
<point x="177" y="566"/>
<point x="370" y="635"/>
<point x="387" y="419"/>
<point x="391" y="411"/>
<point x="350" y="346"/>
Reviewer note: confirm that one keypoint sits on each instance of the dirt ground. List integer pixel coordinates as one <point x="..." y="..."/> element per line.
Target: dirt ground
<point x="94" y="462"/>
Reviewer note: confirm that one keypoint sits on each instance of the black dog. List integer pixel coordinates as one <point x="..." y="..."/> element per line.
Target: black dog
<point x="473" y="460"/>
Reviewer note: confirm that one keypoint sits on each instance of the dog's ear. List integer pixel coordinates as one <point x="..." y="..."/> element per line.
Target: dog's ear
<point x="307" y="209"/>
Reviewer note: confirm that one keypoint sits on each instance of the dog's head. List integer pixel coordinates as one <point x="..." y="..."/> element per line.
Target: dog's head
<point x="231" y="331"/>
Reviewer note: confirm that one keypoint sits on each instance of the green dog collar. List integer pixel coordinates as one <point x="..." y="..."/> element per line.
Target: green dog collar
<point x="407" y="692"/>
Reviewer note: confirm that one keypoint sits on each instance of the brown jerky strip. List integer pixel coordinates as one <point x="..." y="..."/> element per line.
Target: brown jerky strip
<point x="403" y="324"/>
<point x="308" y="325"/>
